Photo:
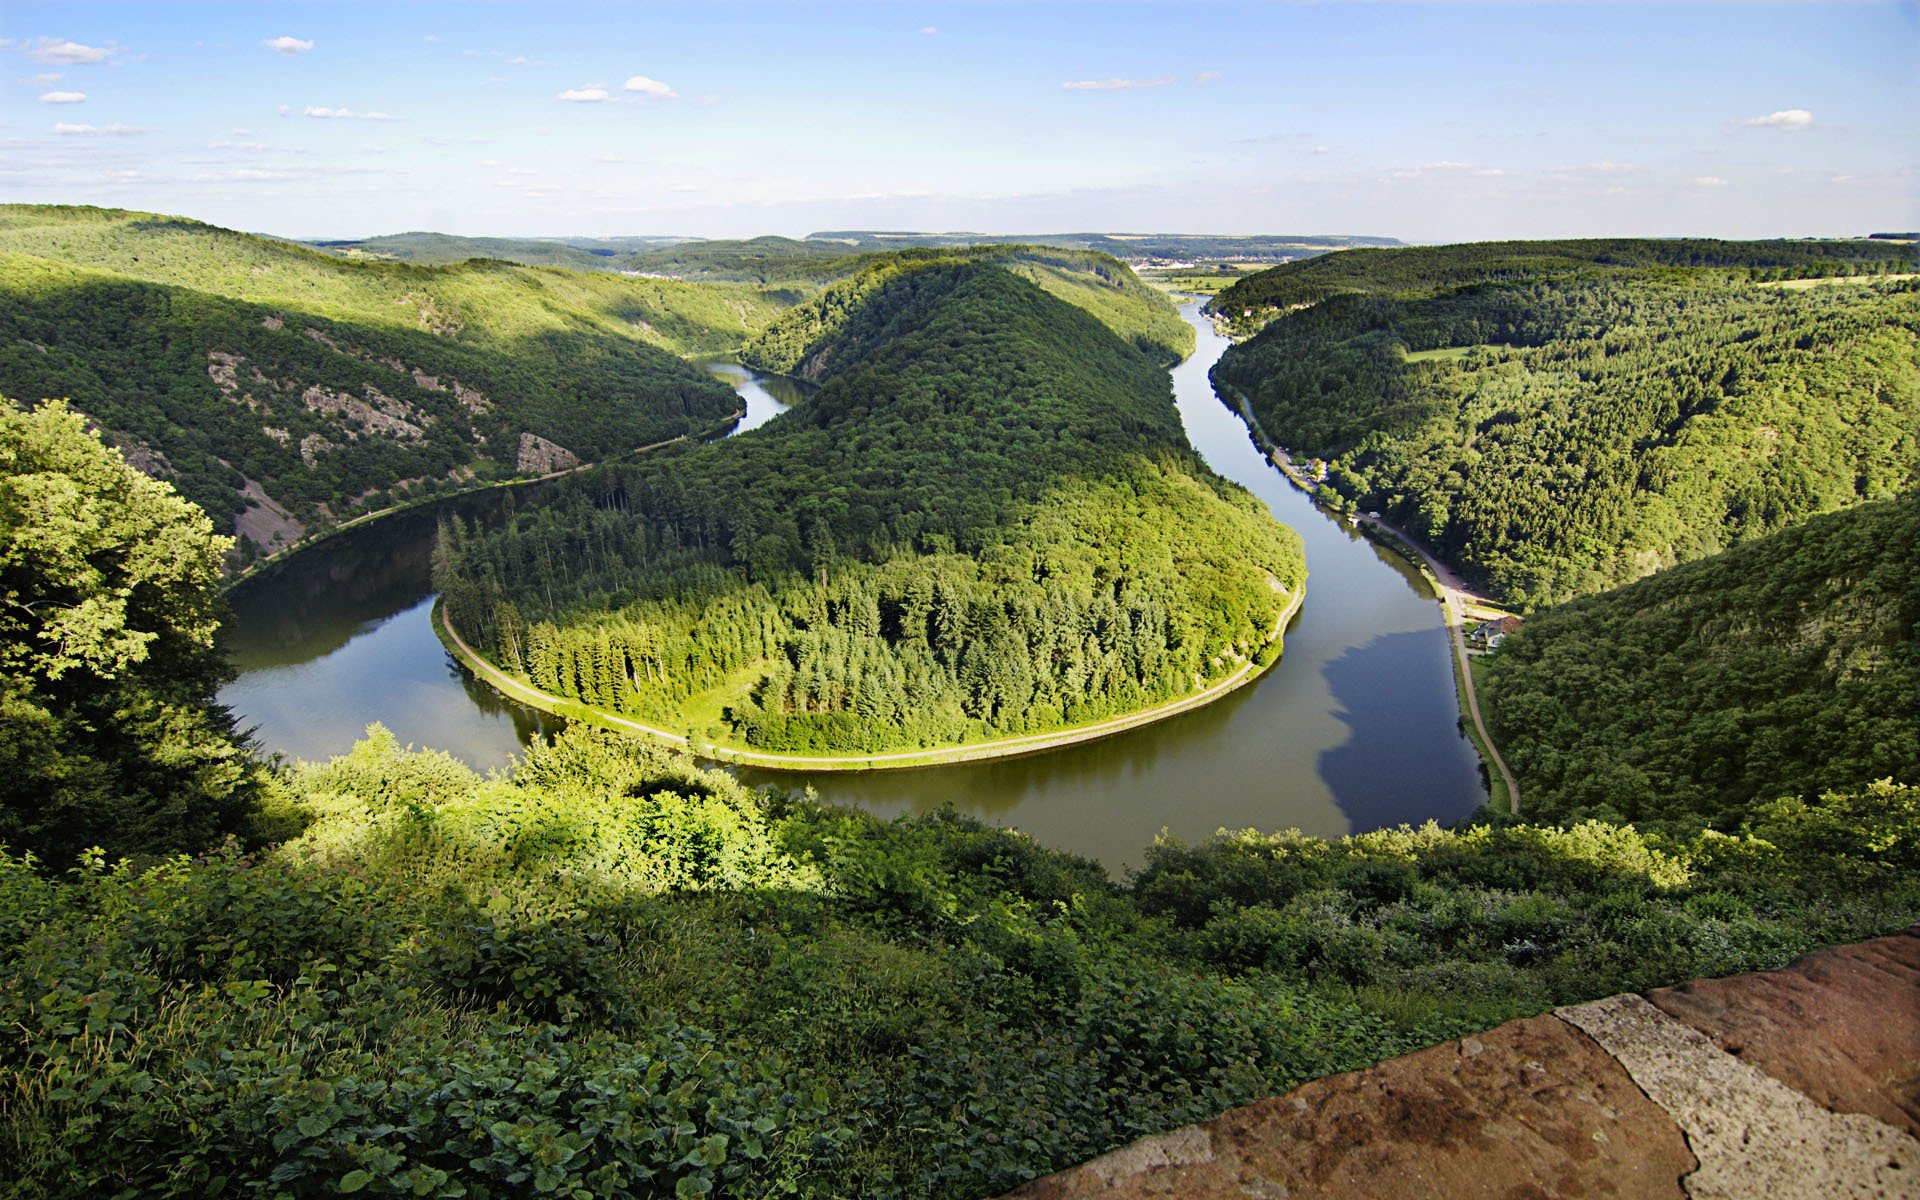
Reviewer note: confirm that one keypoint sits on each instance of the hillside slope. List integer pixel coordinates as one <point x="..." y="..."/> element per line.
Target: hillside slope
<point x="986" y="522"/>
<point x="1779" y="668"/>
<point x="1558" y="418"/>
<point x="282" y="389"/>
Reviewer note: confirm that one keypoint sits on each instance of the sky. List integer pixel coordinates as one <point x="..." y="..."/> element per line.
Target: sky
<point x="1424" y="121"/>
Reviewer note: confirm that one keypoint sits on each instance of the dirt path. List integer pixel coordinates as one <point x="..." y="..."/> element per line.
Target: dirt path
<point x="976" y="752"/>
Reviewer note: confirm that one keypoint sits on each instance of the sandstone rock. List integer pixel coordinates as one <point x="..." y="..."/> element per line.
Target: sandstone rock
<point x="1533" y="1109"/>
<point x="1841" y="1025"/>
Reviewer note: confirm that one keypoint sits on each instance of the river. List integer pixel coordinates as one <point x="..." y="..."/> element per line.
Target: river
<point x="1355" y="728"/>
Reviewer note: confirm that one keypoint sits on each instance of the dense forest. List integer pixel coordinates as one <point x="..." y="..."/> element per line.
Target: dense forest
<point x="609" y="972"/>
<point x="283" y="390"/>
<point x="1559" y="418"/>
<point x="1781" y="667"/>
<point x="987" y="521"/>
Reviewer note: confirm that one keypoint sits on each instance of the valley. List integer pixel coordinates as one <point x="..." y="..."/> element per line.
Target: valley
<point x="968" y="506"/>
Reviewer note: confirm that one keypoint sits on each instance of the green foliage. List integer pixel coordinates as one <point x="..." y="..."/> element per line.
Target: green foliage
<point x="987" y="521"/>
<point x="108" y="606"/>
<point x="256" y="374"/>
<point x="1420" y="272"/>
<point x="1780" y="667"/>
<point x="526" y="985"/>
<point x="1559" y="418"/>
<point x="1490" y="923"/>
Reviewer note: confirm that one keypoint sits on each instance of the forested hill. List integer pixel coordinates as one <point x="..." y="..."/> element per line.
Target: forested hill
<point x="987" y="521"/>
<point x="770" y="260"/>
<point x="1560" y="417"/>
<point x="845" y="318"/>
<point x="1421" y="271"/>
<point x="1784" y="667"/>
<point x="281" y="389"/>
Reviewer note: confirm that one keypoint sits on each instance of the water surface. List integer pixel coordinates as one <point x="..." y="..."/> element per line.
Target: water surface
<point x="1355" y="728"/>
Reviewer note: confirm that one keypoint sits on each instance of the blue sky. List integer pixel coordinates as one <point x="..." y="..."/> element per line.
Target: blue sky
<point x="1426" y="121"/>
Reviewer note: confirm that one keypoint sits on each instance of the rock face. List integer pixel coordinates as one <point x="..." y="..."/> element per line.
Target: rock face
<point x="1800" y="1082"/>
<point x="538" y="456"/>
<point x="1842" y="1026"/>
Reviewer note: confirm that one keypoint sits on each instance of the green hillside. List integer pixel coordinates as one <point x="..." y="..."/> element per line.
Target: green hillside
<point x="1780" y="668"/>
<point x="283" y="389"/>
<point x="986" y="522"/>
<point x="1558" y="418"/>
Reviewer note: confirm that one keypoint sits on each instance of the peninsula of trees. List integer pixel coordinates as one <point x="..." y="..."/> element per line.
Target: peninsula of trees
<point x="1557" y="418"/>
<point x="987" y="521"/>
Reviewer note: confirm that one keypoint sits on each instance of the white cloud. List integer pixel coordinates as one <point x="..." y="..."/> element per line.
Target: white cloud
<point x="1786" y="118"/>
<point x="63" y="97"/>
<point x="593" y="93"/>
<point x="1206" y="77"/>
<point x="1115" y="85"/>
<point x="59" y="50"/>
<point x="1709" y="181"/>
<point x="114" y="130"/>
<point x="288" y="45"/>
<point x="47" y="78"/>
<point x="323" y="113"/>
<point x="929" y="30"/>
<point x="649" y="87"/>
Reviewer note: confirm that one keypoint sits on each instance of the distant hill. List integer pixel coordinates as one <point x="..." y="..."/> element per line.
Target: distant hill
<point x="819" y="257"/>
<point x="1784" y="667"/>
<point x="1125" y="246"/>
<point x="754" y="260"/>
<point x="441" y="249"/>
<point x="284" y="389"/>
<point x="1556" y="418"/>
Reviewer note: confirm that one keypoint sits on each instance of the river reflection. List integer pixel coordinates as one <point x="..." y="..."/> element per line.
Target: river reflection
<point x="1355" y="728"/>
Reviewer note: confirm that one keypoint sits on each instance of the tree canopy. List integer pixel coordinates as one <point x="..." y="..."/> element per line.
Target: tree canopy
<point x="108" y="605"/>
<point x="1559" y="418"/>
<point x="1782" y="667"/>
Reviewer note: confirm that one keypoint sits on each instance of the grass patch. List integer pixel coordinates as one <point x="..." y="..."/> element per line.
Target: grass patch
<point x="1802" y="285"/>
<point x="1449" y="354"/>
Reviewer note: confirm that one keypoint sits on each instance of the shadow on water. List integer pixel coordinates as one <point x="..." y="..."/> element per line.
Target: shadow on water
<point x="1403" y="757"/>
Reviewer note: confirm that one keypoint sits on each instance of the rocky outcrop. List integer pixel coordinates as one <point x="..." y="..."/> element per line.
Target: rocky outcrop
<point x="538" y="456"/>
<point x="1799" y="1082"/>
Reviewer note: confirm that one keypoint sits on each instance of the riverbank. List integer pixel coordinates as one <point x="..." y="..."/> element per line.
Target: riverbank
<point x="1009" y="747"/>
<point x="309" y="541"/>
<point x="1454" y="596"/>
